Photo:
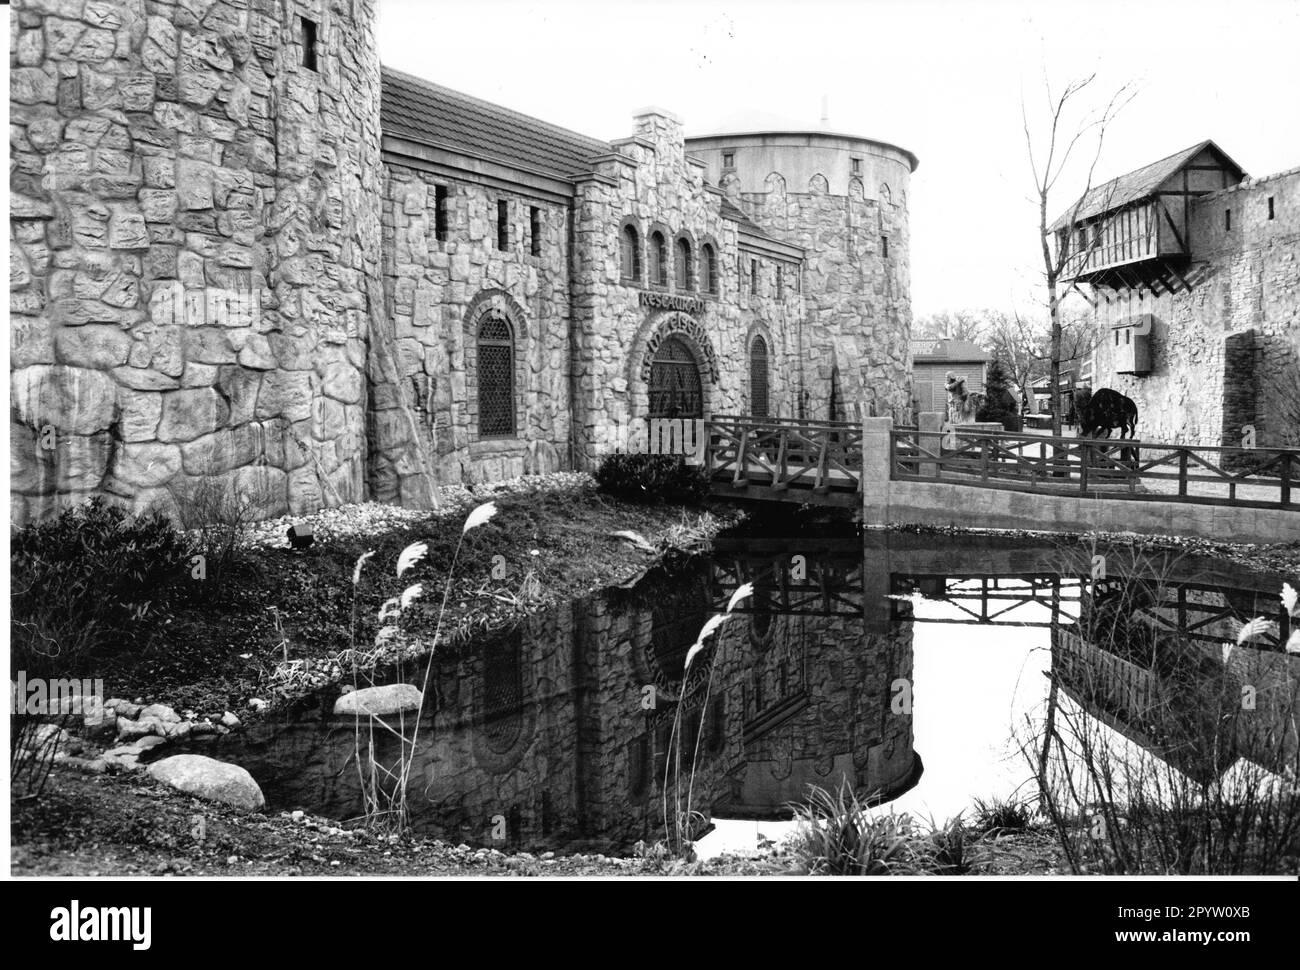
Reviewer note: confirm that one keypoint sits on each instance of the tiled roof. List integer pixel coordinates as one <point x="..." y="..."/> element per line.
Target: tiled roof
<point x="430" y="113"/>
<point x="1137" y="184"/>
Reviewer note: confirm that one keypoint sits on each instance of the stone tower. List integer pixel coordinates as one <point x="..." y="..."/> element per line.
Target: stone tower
<point x="196" y="248"/>
<point x="844" y="200"/>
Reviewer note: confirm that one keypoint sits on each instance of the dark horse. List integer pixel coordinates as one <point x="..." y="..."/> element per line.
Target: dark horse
<point x="1106" y="410"/>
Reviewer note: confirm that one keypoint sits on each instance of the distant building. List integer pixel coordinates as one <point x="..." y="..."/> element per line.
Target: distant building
<point x="1194" y="272"/>
<point x="931" y="362"/>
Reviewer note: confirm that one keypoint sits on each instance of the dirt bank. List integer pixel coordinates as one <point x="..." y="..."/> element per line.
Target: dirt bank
<point x="129" y="825"/>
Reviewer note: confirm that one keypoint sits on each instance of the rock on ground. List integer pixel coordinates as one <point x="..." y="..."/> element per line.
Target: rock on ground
<point x="385" y="699"/>
<point x="208" y="778"/>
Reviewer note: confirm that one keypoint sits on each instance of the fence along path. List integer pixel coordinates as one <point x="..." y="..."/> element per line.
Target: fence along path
<point x="1100" y="467"/>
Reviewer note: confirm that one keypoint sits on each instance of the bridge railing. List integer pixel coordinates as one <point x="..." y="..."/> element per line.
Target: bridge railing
<point x="785" y="455"/>
<point x="1099" y="467"/>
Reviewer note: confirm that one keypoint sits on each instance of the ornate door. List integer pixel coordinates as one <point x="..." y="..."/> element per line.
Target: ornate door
<point x="675" y="387"/>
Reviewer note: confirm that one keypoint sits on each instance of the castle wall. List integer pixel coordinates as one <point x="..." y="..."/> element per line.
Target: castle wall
<point x="1239" y="321"/>
<point x="617" y="333"/>
<point x="195" y="215"/>
<point x="435" y="294"/>
<point x="215" y="278"/>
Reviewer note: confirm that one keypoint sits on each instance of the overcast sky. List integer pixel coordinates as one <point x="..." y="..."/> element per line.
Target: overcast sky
<point x="943" y="79"/>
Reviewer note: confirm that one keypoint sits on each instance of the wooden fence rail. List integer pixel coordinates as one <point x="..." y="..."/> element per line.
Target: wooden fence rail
<point x="1100" y="467"/>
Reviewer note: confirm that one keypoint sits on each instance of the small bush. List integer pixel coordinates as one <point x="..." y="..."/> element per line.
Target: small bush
<point x="652" y="478"/>
<point x="998" y="816"/>
<point x="948" y="849"/>
<point x="94" y="578"/>
<point x="837" y="837"/>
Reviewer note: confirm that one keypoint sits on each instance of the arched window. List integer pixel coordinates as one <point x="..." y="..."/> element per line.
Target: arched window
<point x="708" y="269"/>
<point x="683" y="267"/>
<point x="675" y="387"/>
<point x="630" y="254"/>
<point x="658" y="260"/>
<point x="496" y="377"/>
<point x="758" y="377"/>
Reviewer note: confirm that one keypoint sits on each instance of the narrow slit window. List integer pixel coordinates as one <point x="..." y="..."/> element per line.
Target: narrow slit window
<point x="1227" y="220"/>
<point x="1270" y="207"/>
<point x="503" y="225"/>
<point x="535" y="230"/>
<point x="780" y="282"/>
<point x="884" y="246"/>
<point x="753" y="276"/>
<point x="856" y="166"/>
<point x="308" y="43"/>
<point x="440" y="212"/>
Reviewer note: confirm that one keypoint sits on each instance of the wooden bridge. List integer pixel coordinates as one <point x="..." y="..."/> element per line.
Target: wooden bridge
<point x="785" y="460"/>
<point x="822" y="463"/>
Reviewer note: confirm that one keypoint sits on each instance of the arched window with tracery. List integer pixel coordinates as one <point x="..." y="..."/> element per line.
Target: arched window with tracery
<point x="758" y="377"/>
<point x="658" y="259"/>
<point x="708" y="269"/>
<point x="683" y="266"/>
<point x="496" y="377"/>
<point x="630" y="254"/>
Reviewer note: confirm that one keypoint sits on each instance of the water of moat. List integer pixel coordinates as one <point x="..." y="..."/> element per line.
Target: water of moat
<point x="904" y="664"/>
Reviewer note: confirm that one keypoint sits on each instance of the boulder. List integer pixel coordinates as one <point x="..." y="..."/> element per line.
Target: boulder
<point x="213" y="780"/>
<point x="129" y="730"/>
<point x="379" y="701"/>
<point x="162" y="712"/>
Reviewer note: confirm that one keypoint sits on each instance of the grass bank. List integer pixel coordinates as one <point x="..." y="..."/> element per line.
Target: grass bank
<point x="272" y="624"/>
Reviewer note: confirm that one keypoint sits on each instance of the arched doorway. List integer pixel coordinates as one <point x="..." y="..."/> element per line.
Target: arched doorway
<point x="758" y="378"/>
<point x="675" y="387"/>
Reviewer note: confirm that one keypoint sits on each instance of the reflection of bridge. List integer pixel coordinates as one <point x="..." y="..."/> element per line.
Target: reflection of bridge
<point x="992" y="581"/>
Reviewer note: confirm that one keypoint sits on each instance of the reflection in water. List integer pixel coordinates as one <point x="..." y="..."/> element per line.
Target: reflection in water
<point x="562" y="727"/>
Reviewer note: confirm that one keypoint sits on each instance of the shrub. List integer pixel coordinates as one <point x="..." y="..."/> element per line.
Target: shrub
<point x="652" y="478"/>
<point x="95" y="577"/>
<point x="219" y="512"/>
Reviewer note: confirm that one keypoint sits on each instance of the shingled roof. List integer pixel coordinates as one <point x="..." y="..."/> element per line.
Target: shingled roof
<point x="434" y="115"/>
<point x="947" y="349"/>
<point x="736" y="214"/>
<point x="1137" y="184"/>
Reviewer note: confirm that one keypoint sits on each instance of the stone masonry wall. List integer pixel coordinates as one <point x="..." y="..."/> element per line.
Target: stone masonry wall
<point x="436" y="292"/>
<point x="194" y="219"/>
<point x="858" y="320"/>
<point x="1243" y="279"/>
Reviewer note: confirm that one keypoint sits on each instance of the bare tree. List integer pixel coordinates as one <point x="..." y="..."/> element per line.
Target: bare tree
<point x="968" y="325"/>
<point x="1049" y="157"/>
<point x="1019" y="345"/>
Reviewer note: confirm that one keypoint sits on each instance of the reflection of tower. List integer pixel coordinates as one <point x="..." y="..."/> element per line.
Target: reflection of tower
<point x="812" y="689"/>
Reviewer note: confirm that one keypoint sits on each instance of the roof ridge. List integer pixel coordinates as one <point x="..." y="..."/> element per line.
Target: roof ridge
<point x="433" y="86"/>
